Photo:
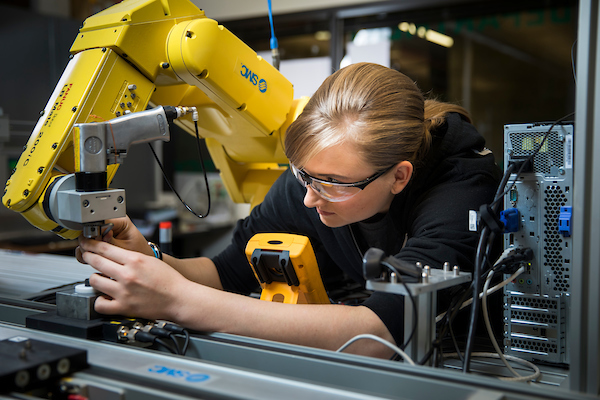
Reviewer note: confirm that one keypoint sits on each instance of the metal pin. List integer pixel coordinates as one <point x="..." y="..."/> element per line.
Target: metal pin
<point x="393" y="277"/>
<point x="446" y="266"/>
<point x="424" y="277"/>
<point x="456" y="270"/>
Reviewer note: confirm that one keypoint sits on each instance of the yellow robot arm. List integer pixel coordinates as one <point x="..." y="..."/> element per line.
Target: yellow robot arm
<point x="159" y="52"/>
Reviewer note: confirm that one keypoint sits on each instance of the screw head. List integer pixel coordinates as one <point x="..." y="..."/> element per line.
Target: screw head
<point x="165" y="65"/>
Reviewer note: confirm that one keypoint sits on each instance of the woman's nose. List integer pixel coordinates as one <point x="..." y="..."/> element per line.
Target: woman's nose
<point x="311" y="198"/>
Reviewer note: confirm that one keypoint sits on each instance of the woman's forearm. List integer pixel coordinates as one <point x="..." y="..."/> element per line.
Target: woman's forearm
<point x="326" y="326"/>
<point x="200" y="270"/>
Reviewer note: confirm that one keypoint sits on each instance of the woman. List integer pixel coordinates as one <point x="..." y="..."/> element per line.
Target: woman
<point x="378" y="167"/>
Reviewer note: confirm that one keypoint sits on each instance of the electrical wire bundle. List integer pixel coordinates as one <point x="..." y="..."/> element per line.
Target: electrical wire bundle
<point x="159" y="333"/>
<point x="491" y="226"/>
<point x="511" y="261"/>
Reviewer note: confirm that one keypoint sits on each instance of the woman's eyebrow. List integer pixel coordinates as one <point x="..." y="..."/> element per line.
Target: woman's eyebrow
<point x="328" y="176"/>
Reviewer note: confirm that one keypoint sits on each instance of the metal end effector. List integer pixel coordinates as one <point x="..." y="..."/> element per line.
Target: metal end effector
<point x="82" y="201"/>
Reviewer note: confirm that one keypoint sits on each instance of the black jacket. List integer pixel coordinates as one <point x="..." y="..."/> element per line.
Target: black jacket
<point x="431" y="213"/>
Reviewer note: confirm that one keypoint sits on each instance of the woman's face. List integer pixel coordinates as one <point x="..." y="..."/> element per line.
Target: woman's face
<point x="342" y="164"/>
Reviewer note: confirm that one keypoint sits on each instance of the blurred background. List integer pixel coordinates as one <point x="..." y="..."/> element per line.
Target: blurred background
<point x="505" y="61"/>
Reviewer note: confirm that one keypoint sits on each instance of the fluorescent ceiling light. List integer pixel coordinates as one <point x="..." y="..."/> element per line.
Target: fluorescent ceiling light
<point x="427" y="34"/>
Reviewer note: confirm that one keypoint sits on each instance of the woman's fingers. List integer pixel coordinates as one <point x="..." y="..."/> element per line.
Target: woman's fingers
<point x="106" y="305"/>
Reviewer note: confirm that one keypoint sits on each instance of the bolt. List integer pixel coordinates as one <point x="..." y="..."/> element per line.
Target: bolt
<point x="25" y="193"/>
<point x="122" y="105"/>
<point x="24" y="147"/>
<point x="132" y="87"/>
<point x="129" y="104"/>
<point x="74" y="109"/>
<point x="54" y="146"/>
<point x="40" y="170"/>
<point x="164" y="65"/>
<point x="561" y="171"/>
<point x="188" y="34"/>
<point x="104" y="49"/>
<point x="42" y="112"/>
<point x="86" y="203"/>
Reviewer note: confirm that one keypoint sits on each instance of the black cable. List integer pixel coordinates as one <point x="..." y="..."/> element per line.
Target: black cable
<point x="486" y="239"/>
<point x="176" y="329"/>
<point x="573" y="61"/>
<point x="175" y="343"/>
<point x="166" y="345"/>
<point x="529" y="160"/>
<point x="186" y="342"/>
<point x="203" y="169"/>
<point x="146" y="337"/>
<point x="487" y="236"/>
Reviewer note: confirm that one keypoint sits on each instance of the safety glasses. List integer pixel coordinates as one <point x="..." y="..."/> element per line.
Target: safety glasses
<point x="334" y="191"/>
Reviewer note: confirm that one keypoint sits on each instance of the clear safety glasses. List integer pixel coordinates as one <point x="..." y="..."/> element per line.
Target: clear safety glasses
<point x="334" y="191"/>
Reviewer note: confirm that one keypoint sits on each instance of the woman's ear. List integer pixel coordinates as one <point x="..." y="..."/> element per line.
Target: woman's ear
<point x="402" y="174"/>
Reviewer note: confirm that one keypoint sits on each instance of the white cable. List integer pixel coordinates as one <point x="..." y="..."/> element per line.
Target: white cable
<point x="380" y="340"/>
<point x="490" y="291"/>
<point x="486" y="318"/>
<point x="536" y="374"/>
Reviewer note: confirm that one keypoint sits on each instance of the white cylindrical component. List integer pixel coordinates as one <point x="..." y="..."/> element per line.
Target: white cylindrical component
<point x="83" y="289"/>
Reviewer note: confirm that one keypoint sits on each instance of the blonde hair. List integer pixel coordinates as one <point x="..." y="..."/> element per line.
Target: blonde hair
<point x="379" y="110"/>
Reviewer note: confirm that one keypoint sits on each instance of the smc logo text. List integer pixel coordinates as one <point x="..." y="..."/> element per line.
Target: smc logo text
<point x="253" y="78"/>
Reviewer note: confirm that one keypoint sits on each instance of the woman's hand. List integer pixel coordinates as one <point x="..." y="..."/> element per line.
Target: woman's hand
<point x="132" y="284"/>
<point x="123" y="234"/>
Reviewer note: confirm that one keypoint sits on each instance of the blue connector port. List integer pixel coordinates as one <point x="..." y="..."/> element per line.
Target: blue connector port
<point x="510" y="219"/>
<point x="564" y="221"/>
